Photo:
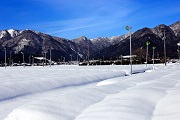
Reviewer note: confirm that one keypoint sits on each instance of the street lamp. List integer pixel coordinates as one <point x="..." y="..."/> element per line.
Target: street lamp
<point x="23" y="59"/>
<point x="71" y="59"/>
<point x="45" y="57"/>
<point x="88" y="52"/>
<point x="164" y="38"/>
<point x="5" y="63"/>
<point x="178" y="54"/>
<point x="178" y="44"/>
<point x="29" y="59"/>
<point x="130" y="30"/>
<point x="50" y="56"/>
<point x="32" y="60"/>
<point x="10" y="59"/>
<point x="121" y="59"/>
<point x="153" y="55"/>
<point x="147" y="44"/>
<point x="77" y="58"/>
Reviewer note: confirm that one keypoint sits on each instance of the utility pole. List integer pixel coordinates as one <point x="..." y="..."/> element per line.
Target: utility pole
<point x="5" y="62"/>
<point x="45" y="57"/>
<point x="88" y="52"/>
<point x="130" y="30"/>
<point x="164" y="38"/>
<point x="77" y="58"/>
<point x="153" y="55"/>
<point x="43" y="48"/>
<point x="32" y="60"/>
<point x="29" y="59"/>
<point x="178" y="54"/>
<point x="10" y="61"/>
<point x="50" y="56"/>
<point x="121" y="59"/>
<point x="23" y="59"/>
<point x="147" y="44"/>
<point x="71" y="59"/>
<point x="178" y="44"/>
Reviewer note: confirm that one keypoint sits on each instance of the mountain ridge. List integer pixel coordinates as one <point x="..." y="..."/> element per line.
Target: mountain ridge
<point x="36" y="43"/>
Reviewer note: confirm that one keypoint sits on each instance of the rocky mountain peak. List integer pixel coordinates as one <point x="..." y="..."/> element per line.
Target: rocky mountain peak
<point x="142" y="32"/>
<point x="176" y="28"/>
<point x="14" y="32"/>
<point x="4" y="36"/>
<point x="82" y="40"/>
<point x="160" y="29"/>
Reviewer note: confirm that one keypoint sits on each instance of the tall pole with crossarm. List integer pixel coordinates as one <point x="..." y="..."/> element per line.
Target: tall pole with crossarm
<point x="130" y="30"/>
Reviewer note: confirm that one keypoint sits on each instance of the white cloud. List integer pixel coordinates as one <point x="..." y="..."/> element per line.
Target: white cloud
<point x="88" y="16"/>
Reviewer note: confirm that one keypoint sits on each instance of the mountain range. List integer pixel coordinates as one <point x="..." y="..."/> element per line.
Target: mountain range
<point x="36" y="43"/>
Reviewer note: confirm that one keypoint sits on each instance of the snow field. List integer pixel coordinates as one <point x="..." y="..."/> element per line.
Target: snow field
<point x="97" y="93"/>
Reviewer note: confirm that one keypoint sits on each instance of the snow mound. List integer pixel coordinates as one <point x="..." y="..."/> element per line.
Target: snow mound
<point x="39" y="81"/>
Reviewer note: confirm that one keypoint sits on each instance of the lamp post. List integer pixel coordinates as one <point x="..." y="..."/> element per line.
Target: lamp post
<point x="5" y="62"/>
<point x="29" y="59"/>
<point x="130" y="30"/>
<point x="71" y="59"/>
<point x="121" y="59"/>
<point x="77" y="58"/>
<point x="23" y="59"/>
<point x="10" y="59"/>
<point x="147" y="44"/>
<point x="50" y="56"/>
<point x="153" y="55"/>
<point x="45" y="57"/>
<point x="88" y="52"/>
<point x="164" y="39"/>
<point x="178" y="54"/>
<point x="32" y="60"/>
<point x="178" y="44"/>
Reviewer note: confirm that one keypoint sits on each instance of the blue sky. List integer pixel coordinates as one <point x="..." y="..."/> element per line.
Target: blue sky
<point x="91" y="18"/>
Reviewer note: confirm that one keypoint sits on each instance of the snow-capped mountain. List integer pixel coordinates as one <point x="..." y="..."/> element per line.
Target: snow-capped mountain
<point x="97" y="44"/>
<point x="33" y="42"/>
<point x="104" y="42"/>
<point x="4" y="35"/>
<point x="85" y="45"/>
<point x="176" y="28"/>
<point x="36" y="43"/>
<point x="11" y="33"/>
<point x="154" y="36"/>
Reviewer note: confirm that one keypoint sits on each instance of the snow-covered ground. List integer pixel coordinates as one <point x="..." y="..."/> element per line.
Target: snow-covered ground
<point x="90" y="93"/>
